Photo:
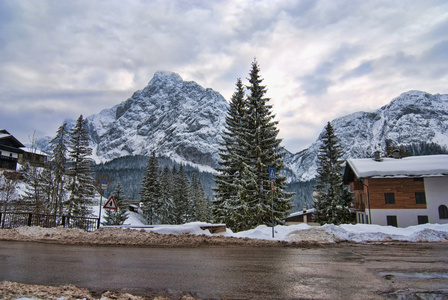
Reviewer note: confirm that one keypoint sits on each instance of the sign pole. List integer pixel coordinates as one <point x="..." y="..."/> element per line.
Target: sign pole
<point x="103" y="187"/>
<point x="101" y="204"/>
<point x="272" y="211"/>
<point x="272" y="177"/>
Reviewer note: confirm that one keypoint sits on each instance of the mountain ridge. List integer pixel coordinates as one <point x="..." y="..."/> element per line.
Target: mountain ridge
<point x="412" y="117"/>
<point x="172" y="117"/>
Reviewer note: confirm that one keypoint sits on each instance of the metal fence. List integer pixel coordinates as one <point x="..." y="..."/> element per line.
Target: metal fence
<point x="19" y="219"/>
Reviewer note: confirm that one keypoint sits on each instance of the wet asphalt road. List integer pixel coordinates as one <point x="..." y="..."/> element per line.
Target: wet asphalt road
<point x="344" y="271"/>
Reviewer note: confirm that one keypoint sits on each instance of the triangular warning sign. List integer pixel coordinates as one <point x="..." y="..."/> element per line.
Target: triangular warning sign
<point x="110" y="204"/>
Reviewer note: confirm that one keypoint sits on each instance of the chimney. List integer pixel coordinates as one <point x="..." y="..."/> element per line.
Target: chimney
<point x="377" y="156"/>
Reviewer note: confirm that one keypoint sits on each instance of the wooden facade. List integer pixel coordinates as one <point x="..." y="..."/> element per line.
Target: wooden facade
<point x="399" y="192"/>
<point x="371" y="193"/>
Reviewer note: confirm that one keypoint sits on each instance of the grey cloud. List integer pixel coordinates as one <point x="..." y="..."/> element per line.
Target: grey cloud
<point x="315" y="85"/>
<point x="437" y="54"/>
<point x="363" y="69"/>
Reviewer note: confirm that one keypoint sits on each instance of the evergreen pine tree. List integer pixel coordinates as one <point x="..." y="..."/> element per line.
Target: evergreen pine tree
<point x="150" y="192"/>
<point x="200" y="201"/>
<point x="81" y="188"/>
<point x="257" y="150"/>
<point x="58" y="164"/>
<point x="263" y="151"/>
<point x="116" y="217"/>
<point x="183" y="206"/>
<point x="33" y="194"/>
<point x="230" y="164"/>
<point x="332" y="201"/>
<point x="166" y="211"/>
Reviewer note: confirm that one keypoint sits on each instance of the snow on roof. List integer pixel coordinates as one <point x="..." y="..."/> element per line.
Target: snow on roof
<point x="414" y="166"/>
<point x="300" y="213"/>
<point x="35" y="151"/>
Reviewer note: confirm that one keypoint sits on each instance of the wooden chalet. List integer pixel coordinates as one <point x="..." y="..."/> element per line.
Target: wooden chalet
<point x="10" y="149"/>
<point x="12" y="152"/>
<point x="399" y="192"/>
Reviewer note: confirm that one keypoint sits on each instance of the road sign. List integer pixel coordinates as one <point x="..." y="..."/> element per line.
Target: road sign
<point x="272" y="186"/>
<point x="271" y="174"/>
<point x="111" y="204"/>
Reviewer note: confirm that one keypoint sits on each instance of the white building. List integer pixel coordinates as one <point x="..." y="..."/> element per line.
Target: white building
<point x="399" y="191"/>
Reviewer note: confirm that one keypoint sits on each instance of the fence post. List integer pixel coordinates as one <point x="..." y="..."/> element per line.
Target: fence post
<point x="63" y="221"/>
<point x="30" y="217"/>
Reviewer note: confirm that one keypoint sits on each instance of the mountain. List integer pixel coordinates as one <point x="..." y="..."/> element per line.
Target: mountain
<point x="410" y="119"/>
<point x="175" y="118"/>
<point x="182" y="121"/>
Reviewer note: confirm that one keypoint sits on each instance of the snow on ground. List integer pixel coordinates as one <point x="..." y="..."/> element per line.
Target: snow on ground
<point x="358" y="233"/>
<point x="328" y="233"/>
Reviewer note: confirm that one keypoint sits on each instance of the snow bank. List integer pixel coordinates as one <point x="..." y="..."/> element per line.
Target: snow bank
<point x="323" y="234"/>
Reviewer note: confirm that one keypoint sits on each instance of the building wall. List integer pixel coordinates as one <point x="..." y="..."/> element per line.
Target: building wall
<point x="9" y="154"/>
<point x="436" y="195"/>
<point x="405" y="209"/>
<point x="404" y="190"/>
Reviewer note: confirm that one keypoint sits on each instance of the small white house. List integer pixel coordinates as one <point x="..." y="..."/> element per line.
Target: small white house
<point x="399" y="192"/>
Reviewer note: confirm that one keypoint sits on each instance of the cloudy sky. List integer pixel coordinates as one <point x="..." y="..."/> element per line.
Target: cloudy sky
<point x="319" y="59"/>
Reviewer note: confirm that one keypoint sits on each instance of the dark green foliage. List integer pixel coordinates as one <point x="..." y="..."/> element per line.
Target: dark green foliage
<point x="225" y="207"/>
<point x="80" y="187"/>
<point x="332" y="201"/>
<point x="202" y="210"/>
<point x="414" y="149"/>
<point x="250" y="147"/>
<point x="166" y="215"/>
<point x="184" y="207"/>
<point x="150" y="192"/>
<point x="58" y="165"/>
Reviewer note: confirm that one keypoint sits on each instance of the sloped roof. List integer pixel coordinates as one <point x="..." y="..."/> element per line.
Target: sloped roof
<point x="5" y="135"/>
<point x="414" y="166"/>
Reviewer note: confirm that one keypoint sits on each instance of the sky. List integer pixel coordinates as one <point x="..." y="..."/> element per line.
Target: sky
<point x="319" y="59"/>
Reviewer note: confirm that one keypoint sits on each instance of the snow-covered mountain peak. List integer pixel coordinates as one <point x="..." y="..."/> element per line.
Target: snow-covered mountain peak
<point x="411" y="118"/>
<point x="175" y="118"/>
<point x="166" y="77"/>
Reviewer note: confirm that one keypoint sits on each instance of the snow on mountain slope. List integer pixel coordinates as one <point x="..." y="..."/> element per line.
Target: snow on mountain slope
<point x="413" y="117"/>
<point x="183" y="121"/>
<point x="172" y="117"/>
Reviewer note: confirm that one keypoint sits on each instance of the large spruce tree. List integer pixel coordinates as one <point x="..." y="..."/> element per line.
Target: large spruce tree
<point x="332" y="201"/>
<point x="150" y="192"/>
<point x="225" y="207"/>
<point x="243" y="192"/>
<point x="81" y="182"/>
<point x="58" y="165"/>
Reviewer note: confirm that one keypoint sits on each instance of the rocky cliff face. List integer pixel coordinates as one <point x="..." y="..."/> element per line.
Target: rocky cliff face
<point x="172" y="117"/>
<point x="413" y="117"/>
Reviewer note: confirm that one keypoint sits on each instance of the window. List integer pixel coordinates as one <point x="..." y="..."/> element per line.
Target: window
<point x="420" y="198"/>
<point x="390" y="198"/>
<point x="422" y="219"/>
<point x="392" y="221"/>
<point x="418" y="179"/>
<point x="443" y="212"/>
